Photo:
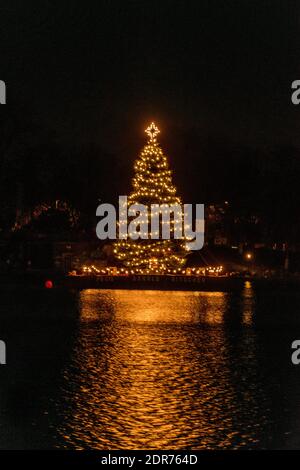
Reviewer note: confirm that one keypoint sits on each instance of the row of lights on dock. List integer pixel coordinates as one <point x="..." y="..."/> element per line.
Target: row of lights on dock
<point x="113" y="271"/>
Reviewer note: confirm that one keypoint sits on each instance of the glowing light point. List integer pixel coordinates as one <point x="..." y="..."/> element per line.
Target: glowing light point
<point x="152" y="131"/>
<point x="48" y="284"/>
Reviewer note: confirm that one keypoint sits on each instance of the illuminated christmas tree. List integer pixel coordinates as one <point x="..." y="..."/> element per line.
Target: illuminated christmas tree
<point x="152" y="185"/>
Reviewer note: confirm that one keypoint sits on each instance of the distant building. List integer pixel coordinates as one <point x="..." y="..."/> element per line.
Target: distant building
<point x="217" y="224"/>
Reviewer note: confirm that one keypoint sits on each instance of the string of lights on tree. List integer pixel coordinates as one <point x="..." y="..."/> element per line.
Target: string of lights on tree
<point x="152" y="184"/>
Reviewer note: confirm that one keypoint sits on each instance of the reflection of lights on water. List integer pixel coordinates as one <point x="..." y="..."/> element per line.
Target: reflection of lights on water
<point x="141" y="306"/>
<point x="146" y="374"/>
<point x="141" y="372"/>
<point x="248" y="303"/>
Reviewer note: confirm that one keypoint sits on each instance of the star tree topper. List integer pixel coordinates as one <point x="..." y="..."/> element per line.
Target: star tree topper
<point x="152" y="131"/>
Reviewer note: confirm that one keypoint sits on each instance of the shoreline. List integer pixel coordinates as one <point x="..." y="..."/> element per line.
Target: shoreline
<point x="54" y="280"/>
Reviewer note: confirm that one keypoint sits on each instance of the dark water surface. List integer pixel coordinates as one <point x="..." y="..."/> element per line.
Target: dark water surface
<point x="122" y="369"/>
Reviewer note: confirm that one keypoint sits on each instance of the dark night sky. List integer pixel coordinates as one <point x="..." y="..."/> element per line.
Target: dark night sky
<point x="98" y="71"/>
<point x="99" y="68"/>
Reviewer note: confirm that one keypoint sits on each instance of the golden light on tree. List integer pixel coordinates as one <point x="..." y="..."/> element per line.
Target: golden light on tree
<point x="153" y="186"/>
<point x="152" y="131"/>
